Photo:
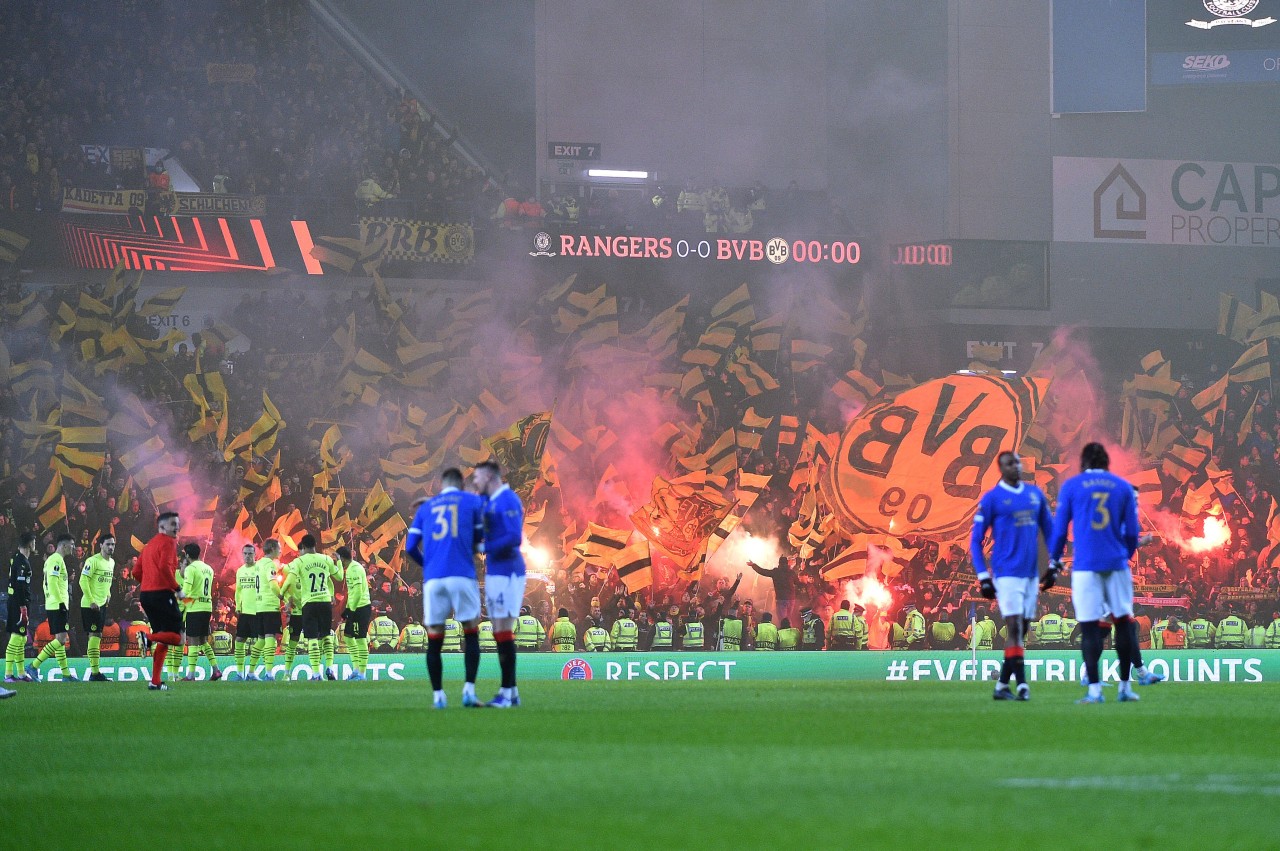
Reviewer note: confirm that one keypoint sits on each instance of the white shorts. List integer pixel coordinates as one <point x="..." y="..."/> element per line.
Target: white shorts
<point x="1017" y="595"/>
<point x="504" y="595"/>
<point x="450" y="595"/>
<point x="1096" y="594"/>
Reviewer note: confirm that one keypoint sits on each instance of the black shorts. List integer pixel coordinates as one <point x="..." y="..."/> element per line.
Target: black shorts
<point x="13" y="619"/>
<point x="162" y="611"/>
<point x="358" y="622"/>
<point x="268" y="624"/>
<point x="93" y="621"/>
<point x="317" y="619"/>
<point x="295" y="626"/>
<point x="247" y="625"/>
<point x="198" y="624"/>
<point x="57" y="619"/>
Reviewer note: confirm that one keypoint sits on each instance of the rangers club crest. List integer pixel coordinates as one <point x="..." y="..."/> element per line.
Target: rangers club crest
<point x="576" y="669"/>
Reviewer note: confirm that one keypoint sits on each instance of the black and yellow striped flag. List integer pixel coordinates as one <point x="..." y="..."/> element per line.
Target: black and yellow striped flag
<point x="734" y="309"/>
<point x="661" y="335"/>
<point x="635" y="565"/>
<point x="12" y="244"/>
<point x="52" y="507"/>
<point x="378" y="517"/>
<point x="32" y="376"/>
<point x="1253" y="365"/>
<point x="221" y="333"/>
<point x="75" y="464"/>
<point x="162" y="303"/>
<point x="694" y="386"/>
<point x="365" y="369"/>
<point x="754" y="378"/>
<point x="712" y="347"/>
<point x="334" y="451"/>
<point x="348" y="254"/>
<point x="601" y="545"/>
<point x="261" y="436"/>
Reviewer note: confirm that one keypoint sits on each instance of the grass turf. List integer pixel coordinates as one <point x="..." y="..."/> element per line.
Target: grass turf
<point x="677" y="765"/>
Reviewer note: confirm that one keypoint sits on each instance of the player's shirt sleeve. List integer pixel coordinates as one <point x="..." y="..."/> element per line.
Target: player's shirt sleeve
<point x="981" y="523"/>
<point x="86" y="581"/>
<point x="413" y="540"/>
<point x="505" y="527"/>
<point x="1061" y="521"/>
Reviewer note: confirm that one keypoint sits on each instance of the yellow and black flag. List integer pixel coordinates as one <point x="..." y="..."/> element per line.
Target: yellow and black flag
<point x="75" y="464"/>
<point x="1253" y="365"/>
<point x="600" y="545"/>
<point x="261" y="436"/>
<point x="635" y="566"/>
<point x="12" y="244"/>
<point x="162" y="303"/>
<point x="29" y="377"/>
<point x="734" y="309"/>
<point x="378" y="517"/>
<point x="334" y="451"/>
<point x="350" y="254"/>
<point x="52" y="507"/>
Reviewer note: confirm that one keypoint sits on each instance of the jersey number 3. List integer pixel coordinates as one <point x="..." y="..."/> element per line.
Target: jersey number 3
<point x="1101" y="514"/>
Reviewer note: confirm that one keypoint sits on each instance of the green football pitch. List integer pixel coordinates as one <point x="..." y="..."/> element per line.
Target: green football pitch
<point x="637" y="765"/>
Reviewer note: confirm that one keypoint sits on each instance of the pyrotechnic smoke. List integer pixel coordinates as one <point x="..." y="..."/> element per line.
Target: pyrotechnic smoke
<point x="870" y="592"/>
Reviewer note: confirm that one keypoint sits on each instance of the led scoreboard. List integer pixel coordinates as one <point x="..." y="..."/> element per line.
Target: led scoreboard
<point x="973" y="273"/>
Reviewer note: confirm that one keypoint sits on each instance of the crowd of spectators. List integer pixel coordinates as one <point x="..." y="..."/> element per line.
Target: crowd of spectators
<point x="298" y="117"/>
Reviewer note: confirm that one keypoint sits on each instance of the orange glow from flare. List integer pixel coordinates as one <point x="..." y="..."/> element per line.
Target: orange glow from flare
<point x="1215" y="533"/>
<point x="536" y="557"/>
<point x="870" y="593"/>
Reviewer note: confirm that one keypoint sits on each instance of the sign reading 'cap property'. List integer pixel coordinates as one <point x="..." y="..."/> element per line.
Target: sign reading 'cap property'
<point x="1166" y="202"/>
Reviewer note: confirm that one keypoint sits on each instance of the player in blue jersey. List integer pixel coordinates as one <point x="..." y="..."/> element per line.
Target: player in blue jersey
<point x="1017" y="514"/>
<point x="504" y="572"/>
<point x="1102" y="510"/>
<point x="446" y="533"/>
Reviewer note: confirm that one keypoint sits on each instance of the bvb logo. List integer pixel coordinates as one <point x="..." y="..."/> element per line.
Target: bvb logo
<point x="456" y="242"/>
<point x="916" y="464"/>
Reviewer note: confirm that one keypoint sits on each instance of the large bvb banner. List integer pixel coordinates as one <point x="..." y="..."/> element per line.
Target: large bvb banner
<point x="917" y="463"/>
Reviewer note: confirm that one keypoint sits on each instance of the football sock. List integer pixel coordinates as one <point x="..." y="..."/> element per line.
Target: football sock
<point x="1091" y="649"/>
<point x="46" y="653"/>
<point x="314" y="654"/>
<point x="207" y="649"/>
<point x="269" y="654"/>
<point x="362" y="648"/>
<point x="239" y="654"/>
<point x="471" y="654"/>
<point x="1013" y="661"/>
<point x="506" y="657"/>
<point x="255" y="657"/>
<point x="157" y="662"/>
<point x="290" y="652"/>
<point x="95" y="653"/>
<point x="435" y="665"/>
<point x="1124" y="647"/>
<point x="60" y="653"/>
<point x="172" y="661"/>
<point x="328" y="651"/>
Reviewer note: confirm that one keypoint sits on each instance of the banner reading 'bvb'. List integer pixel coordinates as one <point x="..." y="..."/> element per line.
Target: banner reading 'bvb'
<point x="917" y="463"/>
<point x="420" y="242"/>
